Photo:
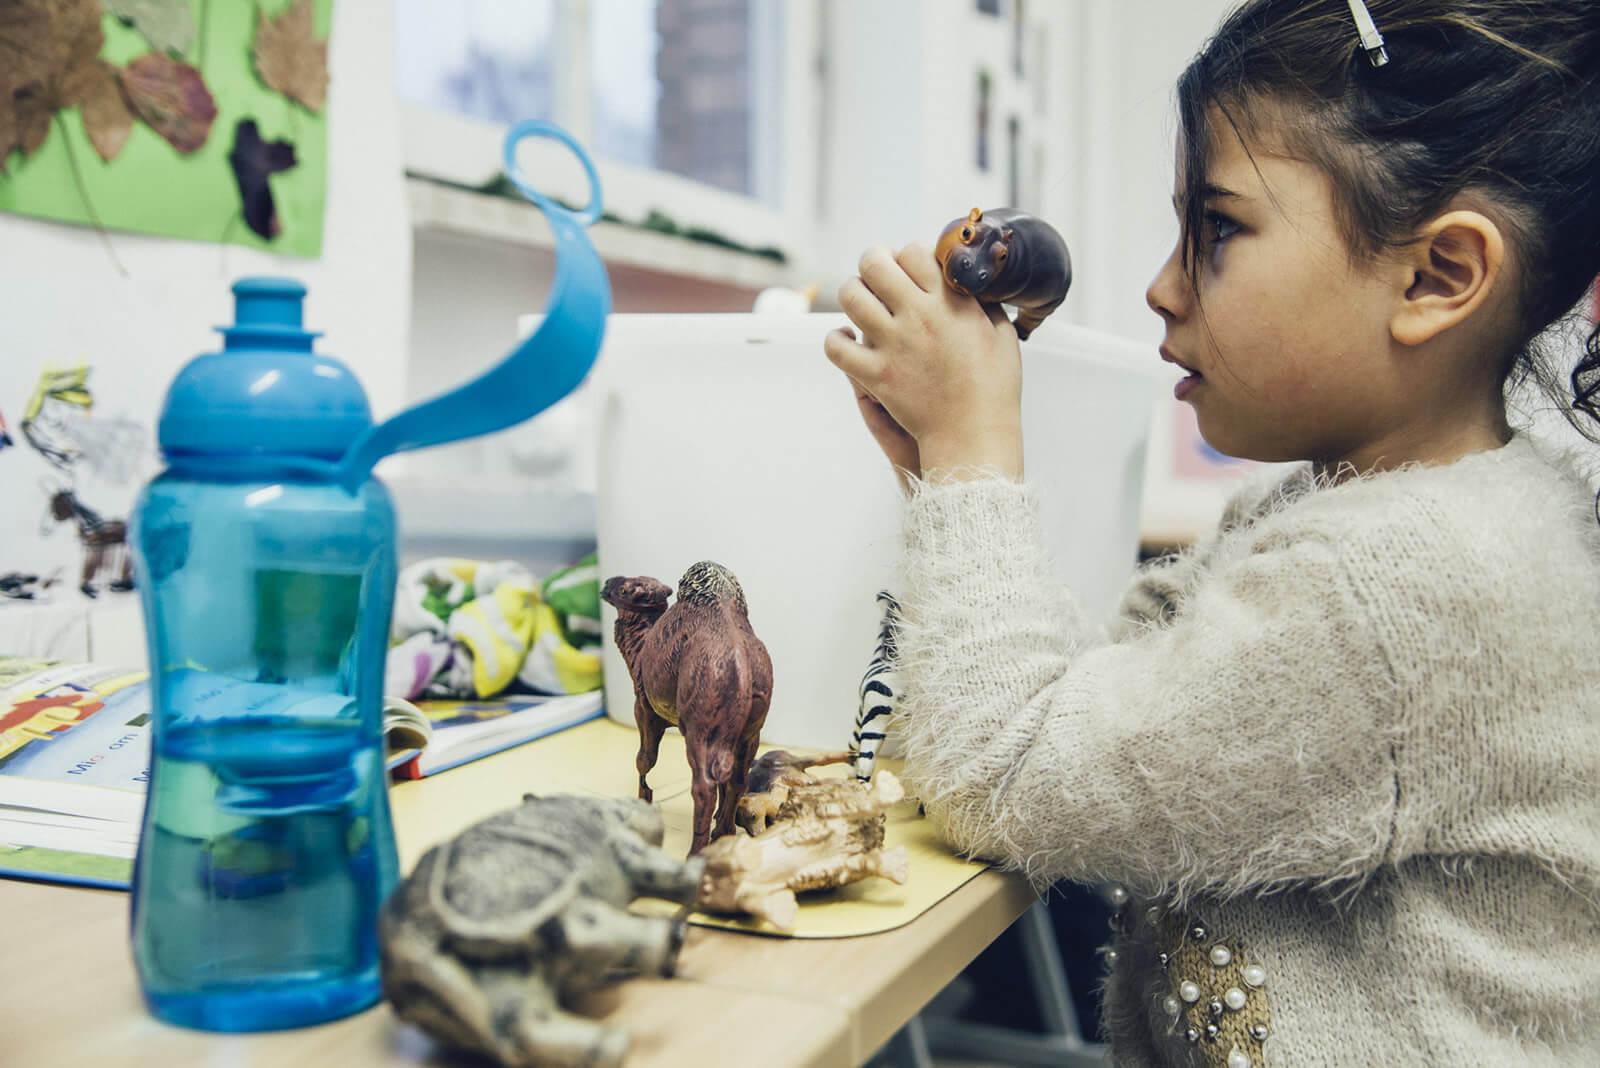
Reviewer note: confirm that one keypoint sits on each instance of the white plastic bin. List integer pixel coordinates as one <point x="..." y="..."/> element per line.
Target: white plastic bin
<point x="732" y="438"/>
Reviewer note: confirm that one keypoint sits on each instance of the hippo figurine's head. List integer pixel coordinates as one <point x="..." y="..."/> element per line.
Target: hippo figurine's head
<point x="972" y="253"/>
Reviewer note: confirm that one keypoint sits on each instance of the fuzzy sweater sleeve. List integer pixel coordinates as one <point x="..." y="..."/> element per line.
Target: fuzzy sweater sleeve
<point x="1177" y="760"/>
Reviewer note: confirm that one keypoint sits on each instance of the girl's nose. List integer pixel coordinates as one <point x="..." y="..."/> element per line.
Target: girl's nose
<point x="1168" y="294"/>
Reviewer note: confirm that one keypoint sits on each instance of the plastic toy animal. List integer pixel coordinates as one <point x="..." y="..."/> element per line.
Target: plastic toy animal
<point x="1005" y="256"/>
<point x="879" y="692"/>
<point x="498" y="928"/>
<point x="827" y="834"/>
<point x="772" y="777"/>
<point x="697" y="666"/>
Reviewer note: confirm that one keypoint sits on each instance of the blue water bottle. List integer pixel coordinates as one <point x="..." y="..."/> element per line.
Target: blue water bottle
<point x="266" y="847"/>
<point x="266" y="563"/>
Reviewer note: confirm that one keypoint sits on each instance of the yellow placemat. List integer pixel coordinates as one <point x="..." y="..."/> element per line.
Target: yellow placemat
<point x="598" y="758"/>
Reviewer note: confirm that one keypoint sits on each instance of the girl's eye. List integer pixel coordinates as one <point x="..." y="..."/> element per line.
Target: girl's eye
<point x="1218" y="228"/>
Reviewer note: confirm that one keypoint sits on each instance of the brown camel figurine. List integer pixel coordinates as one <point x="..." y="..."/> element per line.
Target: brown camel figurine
<point x="699" y="667"/>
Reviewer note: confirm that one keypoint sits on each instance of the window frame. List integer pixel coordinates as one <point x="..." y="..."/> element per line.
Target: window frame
<point x="459" y="149"/>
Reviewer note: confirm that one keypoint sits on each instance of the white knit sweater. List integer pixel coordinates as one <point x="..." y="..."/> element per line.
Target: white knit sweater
<point x="1345" y="755"/>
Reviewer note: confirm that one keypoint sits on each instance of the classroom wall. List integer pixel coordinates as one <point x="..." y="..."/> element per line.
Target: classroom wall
<point x="64" y="300"/>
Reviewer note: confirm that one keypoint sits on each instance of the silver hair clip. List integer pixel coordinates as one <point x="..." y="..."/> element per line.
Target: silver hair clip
<point x="1371" y="39"/>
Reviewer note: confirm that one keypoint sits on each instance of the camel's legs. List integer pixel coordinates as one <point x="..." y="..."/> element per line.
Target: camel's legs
<point x="651" y="728"/>
<point x="704" y="791"/>
<point x="732" y="790"/>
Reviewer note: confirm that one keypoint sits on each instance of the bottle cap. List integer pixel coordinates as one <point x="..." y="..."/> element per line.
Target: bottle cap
<point x="266" y="392"/>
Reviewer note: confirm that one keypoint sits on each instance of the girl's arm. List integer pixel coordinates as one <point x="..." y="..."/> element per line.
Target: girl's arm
<point x="1244" y="746"/>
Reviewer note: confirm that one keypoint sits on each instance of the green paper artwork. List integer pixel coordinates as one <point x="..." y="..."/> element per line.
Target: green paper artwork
<point x="166" y="24"/>
<point x="144" y="138"/>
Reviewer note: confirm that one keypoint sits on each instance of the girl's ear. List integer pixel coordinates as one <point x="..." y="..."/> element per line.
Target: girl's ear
<point x="1455" y="265"/>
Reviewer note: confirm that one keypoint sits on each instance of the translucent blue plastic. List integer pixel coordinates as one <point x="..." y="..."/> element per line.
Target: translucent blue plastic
<point x="265" y="558"/>
<point x="267" y="845"/>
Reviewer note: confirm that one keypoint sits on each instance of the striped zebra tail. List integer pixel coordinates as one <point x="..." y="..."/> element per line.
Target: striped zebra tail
<point x="878" y="692"/>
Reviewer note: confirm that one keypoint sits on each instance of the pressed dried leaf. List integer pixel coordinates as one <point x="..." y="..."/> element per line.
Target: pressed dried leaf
<point x="253" y="160"/>
<point x="106" y="118"/>
<point x="290" y="59"/>
<point x="26" y="46"/>
<point x="167" y="24"/>
<point x="172" y="98"/>
<point x="79" y="39"/>
<point x="33" y="114"/>
<point x="48" y="51"/>
<point x="8" y="131"/>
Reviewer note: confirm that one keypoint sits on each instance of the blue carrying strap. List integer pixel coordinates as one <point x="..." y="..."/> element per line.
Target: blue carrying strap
<point x="544" y="367"/>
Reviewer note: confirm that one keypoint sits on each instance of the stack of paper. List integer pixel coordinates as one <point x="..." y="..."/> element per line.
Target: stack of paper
<point x="75" y="756"/>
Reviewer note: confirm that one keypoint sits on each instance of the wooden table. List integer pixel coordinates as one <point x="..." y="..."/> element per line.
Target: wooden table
<point x="69" y="998"/>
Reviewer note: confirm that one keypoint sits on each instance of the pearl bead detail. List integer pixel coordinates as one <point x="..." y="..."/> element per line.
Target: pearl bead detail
<point x="1119" y="896"/>
<point x="1172" y="1006"/>
<point x="1212" y="1031"/>
<point x="1191" y="1036"/>
<point x="1259" y="1032"/>
<point x="1111" y="958"/>
<point x="1215" y="1008"/>
<point x="1234" y="998"/>
<point x="1237" y="1058"/>
<point x="1198" y="933"/>
<point x="1220" y="956"/>
<point x="1189" y="992"/>
<point x="1254" y="974"/>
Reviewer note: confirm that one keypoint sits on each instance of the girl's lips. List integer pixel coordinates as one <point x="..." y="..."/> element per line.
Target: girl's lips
<point x="1188" y="384"/>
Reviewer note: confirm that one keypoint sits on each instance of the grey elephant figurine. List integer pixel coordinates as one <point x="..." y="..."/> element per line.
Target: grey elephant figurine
<point x="498" y="929"/>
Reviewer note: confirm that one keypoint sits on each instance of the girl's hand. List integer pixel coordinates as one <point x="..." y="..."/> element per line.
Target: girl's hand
<point x="944" y="369"/>
<point x="899" y="446"/>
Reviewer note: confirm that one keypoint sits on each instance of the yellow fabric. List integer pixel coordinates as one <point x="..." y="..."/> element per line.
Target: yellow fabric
<point x="498" y="628"/>
<point x="575" y="670"/>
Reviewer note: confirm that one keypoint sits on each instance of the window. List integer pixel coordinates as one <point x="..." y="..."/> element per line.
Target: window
<point x="1036" y="180"/>
<point x="692" y="87"/>
<point x="1017" y="24"/>
<point x="484" y="59"/>
<point x="1041" y="74"/>
<point x="1014" y="161"/>
<point x="984" y="86"/>
<point x="625" y="88"/>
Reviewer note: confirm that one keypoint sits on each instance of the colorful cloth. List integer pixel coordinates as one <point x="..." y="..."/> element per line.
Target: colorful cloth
<point x="467" y="628"/>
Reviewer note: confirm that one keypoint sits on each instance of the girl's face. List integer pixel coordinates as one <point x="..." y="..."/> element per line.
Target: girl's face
<point x="1288" y="353"/>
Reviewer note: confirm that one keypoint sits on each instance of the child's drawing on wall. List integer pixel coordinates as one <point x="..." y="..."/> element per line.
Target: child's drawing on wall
<point x="59" y="425"/>
<point x="104" y="542"/>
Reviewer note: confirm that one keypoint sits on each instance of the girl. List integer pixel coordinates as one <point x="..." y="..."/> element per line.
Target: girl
<point x="1343" y="753"/>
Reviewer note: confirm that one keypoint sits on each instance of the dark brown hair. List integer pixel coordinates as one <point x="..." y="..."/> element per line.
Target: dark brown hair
<point x="1495" y="98"/>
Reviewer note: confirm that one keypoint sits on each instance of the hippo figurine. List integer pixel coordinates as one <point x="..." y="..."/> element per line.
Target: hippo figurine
<point x="500" y="927"/>
<point x="1005" y="256"/>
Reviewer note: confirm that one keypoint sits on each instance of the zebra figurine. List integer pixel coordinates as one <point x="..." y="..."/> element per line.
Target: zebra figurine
<point x="878" y="691"/>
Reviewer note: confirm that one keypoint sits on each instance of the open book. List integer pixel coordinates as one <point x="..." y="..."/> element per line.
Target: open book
<point x="75" y="756"/>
